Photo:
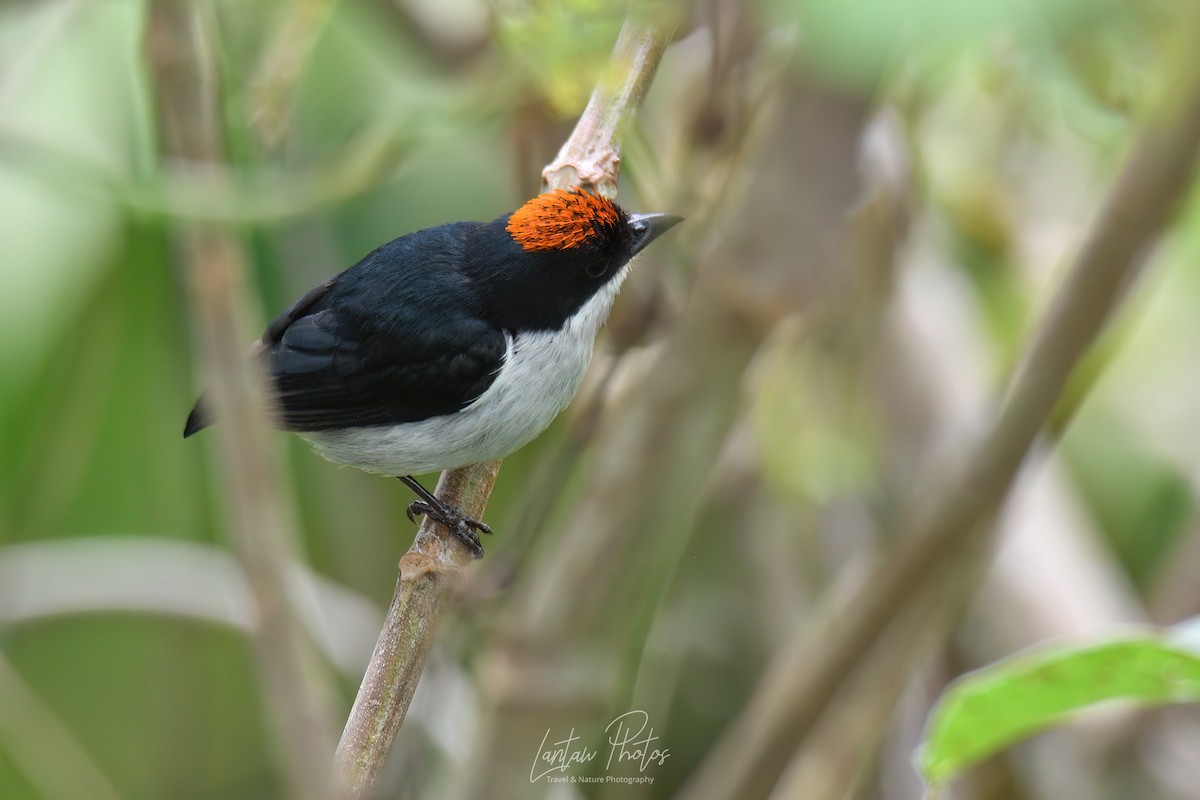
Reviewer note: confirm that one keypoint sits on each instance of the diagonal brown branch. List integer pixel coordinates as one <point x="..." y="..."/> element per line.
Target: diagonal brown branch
<point x="591" y="156"/>
<point x="278" y="73"/>
<point x="804" y="678"/>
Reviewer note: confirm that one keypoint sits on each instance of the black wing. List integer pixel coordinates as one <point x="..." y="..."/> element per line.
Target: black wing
<point x="331" y="371"/>
<point x="201" y="415"/>
<point x="382" y="343"/>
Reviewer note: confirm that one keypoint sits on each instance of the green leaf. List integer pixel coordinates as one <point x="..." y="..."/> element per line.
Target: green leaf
<point x="986" y="711"/>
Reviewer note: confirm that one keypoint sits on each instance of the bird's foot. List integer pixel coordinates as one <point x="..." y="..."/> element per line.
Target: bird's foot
<point x="463" y="527"/>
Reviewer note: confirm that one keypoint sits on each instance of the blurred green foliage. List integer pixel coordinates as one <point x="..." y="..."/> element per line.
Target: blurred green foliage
<point x="1017" y="114"/>
<point x="996" y="707"/>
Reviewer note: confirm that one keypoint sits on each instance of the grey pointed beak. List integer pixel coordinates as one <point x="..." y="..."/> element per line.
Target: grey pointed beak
<point x="648" y="227"/>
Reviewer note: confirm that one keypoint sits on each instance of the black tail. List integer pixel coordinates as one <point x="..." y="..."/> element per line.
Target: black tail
<point x="197" y="420"/>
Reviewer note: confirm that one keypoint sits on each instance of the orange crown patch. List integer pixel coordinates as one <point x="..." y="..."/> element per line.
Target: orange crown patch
<point x="562" y="219"/>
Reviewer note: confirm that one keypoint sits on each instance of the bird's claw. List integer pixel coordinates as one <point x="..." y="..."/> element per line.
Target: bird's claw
<point x="463" y="527"/>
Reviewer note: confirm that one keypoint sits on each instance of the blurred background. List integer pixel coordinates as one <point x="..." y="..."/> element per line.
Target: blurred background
<point x="881" y="198"/>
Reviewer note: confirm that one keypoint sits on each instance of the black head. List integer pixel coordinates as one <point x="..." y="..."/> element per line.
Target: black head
<point x="538" y="265"/>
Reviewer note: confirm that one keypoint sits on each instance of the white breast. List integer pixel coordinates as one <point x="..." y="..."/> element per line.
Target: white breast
<point x="539" y="376"/>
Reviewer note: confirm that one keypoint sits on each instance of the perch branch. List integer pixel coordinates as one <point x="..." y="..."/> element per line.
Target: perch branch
<point x="436" y="559"/>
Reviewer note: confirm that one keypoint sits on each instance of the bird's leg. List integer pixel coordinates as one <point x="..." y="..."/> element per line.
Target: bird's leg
<point x="460" y="524"/>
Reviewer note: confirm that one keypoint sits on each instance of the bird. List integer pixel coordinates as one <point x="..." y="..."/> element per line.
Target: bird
<point x="452" y="345"/>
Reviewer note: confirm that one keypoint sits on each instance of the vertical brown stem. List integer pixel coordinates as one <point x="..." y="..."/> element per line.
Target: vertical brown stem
<point x="298" y="698"/>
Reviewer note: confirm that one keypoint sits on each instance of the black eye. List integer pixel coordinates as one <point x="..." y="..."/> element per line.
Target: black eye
<point x="597" y="269"/>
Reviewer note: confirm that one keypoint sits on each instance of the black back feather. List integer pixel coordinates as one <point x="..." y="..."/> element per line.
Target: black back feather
<point x="419" y="328"/>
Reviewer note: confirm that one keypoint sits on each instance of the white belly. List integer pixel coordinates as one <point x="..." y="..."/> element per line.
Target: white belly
<point x="539" y="377"/>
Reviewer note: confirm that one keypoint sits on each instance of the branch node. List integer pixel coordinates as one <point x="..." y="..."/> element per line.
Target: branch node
<point x="416" y="565"/>
<point x="596" y="172"/>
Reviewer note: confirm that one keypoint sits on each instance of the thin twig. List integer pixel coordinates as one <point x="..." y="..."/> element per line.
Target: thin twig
<point x="272" y="91"/>
<point x="592" y="156"/>
<point x="297" y="693"/>
<point x="436" y="559"/>
<point x="1155" y="177"/>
